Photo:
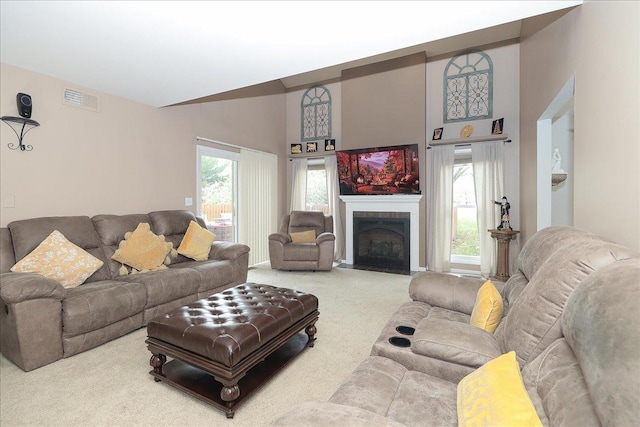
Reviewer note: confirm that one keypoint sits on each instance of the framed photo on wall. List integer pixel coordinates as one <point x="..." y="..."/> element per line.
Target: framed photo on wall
<point x="296" y="148"/>
<point x="437" y="134"/>
<point x="312" y="147"/>
<point x="497" y="126"/>
<point x="329" y="145"/>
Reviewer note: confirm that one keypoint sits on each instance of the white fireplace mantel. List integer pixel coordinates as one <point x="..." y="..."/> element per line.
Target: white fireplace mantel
<point x="385" y="203"/>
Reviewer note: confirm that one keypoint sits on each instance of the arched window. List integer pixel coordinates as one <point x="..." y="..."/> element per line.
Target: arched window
<point x="316" y="114"/>
<point x="468" y="88"/>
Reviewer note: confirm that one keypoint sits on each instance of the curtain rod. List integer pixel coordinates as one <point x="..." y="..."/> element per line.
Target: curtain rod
<point x="468" y="141"/>
<point x="311" y="155"/>
<point x="213" y="141"/>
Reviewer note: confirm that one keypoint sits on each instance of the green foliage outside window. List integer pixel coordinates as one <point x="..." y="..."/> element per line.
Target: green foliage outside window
<point x="216" y="180"/>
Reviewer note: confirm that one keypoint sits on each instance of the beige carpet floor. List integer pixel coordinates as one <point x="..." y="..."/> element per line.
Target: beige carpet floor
<point x="110" y="385"/>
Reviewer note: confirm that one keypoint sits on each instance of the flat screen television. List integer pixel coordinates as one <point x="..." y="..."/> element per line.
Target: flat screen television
<point x="379" y="170"/>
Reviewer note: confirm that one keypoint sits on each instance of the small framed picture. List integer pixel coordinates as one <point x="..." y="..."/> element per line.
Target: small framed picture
<point x="329" y="145"/>
<point x="312" y="147"/>
<point x="296" y="148"/>
<point x="437" y="134"/>
<point x="496" y="127"/>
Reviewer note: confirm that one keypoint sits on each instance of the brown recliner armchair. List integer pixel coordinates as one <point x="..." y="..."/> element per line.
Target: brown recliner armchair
<point x="317" y="254"/>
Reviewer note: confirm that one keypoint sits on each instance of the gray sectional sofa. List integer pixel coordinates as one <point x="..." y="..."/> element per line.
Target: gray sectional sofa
<point x="41" y="321"/>
<point x="570" y="316"/>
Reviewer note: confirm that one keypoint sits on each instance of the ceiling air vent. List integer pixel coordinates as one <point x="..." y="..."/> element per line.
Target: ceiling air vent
<point x="76" y="98"/>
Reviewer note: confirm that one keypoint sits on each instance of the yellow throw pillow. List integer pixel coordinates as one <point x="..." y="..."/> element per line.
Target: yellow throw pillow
<point x="142" y="249"/>
<point x="196" y="242"/>
<point x="487" y="311"/>
<point x="304" y="237"/>
<point x="59" y="259"/>
<point x="494" y="395"/>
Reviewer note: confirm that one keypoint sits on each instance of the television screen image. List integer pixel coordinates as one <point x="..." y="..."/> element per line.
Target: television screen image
<point x="379" y="170"/>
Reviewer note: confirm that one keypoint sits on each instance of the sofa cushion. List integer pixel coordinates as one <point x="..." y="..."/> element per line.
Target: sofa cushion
<point x="164" y="286"/>
<point x="60" y="260"/>
<point x="422" y="397"/>
<point x="95" y="305"/>
<point x="300" y="252"/>
<point x="111" y="229"/>
<point x="142" y="249"/>
<point x="387" y="388"/>
<point x="7" y="257"/>
<point x="306" y="220"/>
<point x="173" y="225"/>
<point x="533" y="322"/>
<point x="557" y="388"/>
<point x="487" y="310"/>
<point x="27" y="234"/>
<point x="304" y="237"/>
<point x="455" y="342"/>
<point x="196" y="242"/>
<point x="601" y="323"/>
<point x="215" y="275"/>
<point x="495" y="395"/>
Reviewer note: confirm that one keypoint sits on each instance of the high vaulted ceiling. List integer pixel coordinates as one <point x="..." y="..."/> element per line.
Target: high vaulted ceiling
<point x="167" y="52"/>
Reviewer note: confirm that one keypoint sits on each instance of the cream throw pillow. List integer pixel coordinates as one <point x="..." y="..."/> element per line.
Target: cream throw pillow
<point x="59" y="259"/>
<point x="196" y="242"/>
<point x="142" y="249"/>
<point x="487" y="311"/>
<point x="304" y="237"/>
<point x="494" y="395"/>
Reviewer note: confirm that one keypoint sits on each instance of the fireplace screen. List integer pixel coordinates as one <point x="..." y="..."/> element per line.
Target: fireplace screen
<point x="382" y="242"/>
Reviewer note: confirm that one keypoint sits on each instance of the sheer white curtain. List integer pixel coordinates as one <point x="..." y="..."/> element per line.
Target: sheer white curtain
<point x="298" y="185"/>
<point x="333" y="193"/>
<point x="440" y="207"/>
<point x="487" y="159"/>
<point x="257" y="199"/>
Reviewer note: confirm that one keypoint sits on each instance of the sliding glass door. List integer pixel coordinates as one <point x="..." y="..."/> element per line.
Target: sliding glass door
<point x="218" y="190"/>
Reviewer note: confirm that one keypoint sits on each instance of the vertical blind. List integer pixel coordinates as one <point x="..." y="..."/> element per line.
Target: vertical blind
<point x="258" y="199"/>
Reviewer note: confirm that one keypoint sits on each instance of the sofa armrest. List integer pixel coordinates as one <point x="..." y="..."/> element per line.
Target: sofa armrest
<point x="280" y="238"/>
<point x="446" y="290"/>
<point x="31" y="319"/>
<point x="227" y="250"/>
<point x="326" y="414"/>
<point x="325" y="237"/>
<point x="18" y="287"/>
<point x="456" y="342"/>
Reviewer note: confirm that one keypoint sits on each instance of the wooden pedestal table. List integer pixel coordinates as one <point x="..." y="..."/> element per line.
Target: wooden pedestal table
<point x="503" y="237"/>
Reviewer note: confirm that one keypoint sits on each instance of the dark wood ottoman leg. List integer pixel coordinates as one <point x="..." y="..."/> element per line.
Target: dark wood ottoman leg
<point x="157" y="361"/>
<point x="229" y="394"/>
<point x="311" y="333"/>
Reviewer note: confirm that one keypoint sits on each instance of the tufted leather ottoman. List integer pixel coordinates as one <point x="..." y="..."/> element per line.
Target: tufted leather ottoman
<point x="216" y="341"/>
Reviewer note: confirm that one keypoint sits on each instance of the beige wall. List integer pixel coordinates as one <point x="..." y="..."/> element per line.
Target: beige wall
<point x="505" y="57"/>
<point x="127" y="158"/>
<point x="599" y="44"/>
<point x="385" y="104"/>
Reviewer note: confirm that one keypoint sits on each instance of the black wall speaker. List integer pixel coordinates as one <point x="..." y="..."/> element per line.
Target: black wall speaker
<point x="24" y="105"/>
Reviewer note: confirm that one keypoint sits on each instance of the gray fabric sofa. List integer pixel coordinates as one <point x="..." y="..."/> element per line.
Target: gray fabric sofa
<point x="570" y="316"/>
<point x="41" y="321"/>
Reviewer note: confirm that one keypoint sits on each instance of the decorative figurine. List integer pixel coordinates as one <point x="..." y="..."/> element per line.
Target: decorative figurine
<point x="557" y="162"/>
<point x="504" y="214"/>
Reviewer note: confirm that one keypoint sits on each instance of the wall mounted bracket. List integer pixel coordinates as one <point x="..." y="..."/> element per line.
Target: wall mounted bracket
<point x="23" y="131"/>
